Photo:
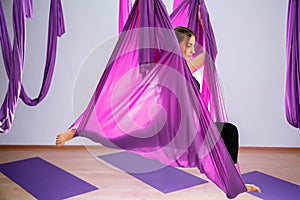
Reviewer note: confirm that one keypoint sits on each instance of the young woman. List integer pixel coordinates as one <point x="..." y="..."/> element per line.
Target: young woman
<point x="228" y="131"/>
<point x="186" y="39"/>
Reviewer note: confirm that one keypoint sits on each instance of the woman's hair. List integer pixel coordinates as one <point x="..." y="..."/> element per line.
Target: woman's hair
<point x="182" y="32"/>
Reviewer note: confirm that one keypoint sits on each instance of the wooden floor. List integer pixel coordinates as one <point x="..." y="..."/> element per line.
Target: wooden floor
<point x="116" y="185"/>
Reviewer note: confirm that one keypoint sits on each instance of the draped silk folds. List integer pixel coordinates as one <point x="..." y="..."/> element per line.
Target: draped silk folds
<point x="292" y="86"/>
<point x="147" y="102"/>
<point x="188" y="13"/>
<point x="13" y="56"/>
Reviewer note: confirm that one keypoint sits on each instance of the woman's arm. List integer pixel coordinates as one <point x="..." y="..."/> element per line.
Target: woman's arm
<point x="197" y="62"/>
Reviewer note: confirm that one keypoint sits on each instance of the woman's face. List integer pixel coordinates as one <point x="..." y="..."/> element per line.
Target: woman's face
<point x="187" y="46"/>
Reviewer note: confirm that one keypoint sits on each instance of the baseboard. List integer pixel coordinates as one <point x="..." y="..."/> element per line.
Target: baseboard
<point x="99" y="146"/>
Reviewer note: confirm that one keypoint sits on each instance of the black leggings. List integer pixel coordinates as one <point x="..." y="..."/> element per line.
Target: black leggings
<point x="230" y="135"/>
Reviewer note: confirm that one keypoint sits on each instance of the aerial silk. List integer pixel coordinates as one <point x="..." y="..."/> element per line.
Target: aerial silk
<point x="194" y="15"/>
<point x="190" y="14"/>
<point x="292" y="87"/>
<point x="176" y="3"/>
<point x="124" y="10"/>
<point x="147" y="102"/>
<point x="13" y="56"/>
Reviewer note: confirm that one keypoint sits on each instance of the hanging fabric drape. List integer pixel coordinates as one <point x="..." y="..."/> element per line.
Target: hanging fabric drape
<point x="124" y="10"/>
<point x="292" y="87"/>
<point x="193" y="14"/>
<point x="14" y="63"/>
<point x="189" y="13"/>
<point x="147" y="102"/>
<point x="13" y="56"/>
<point x="56" y="29"/>
<point x="176" y="3"/>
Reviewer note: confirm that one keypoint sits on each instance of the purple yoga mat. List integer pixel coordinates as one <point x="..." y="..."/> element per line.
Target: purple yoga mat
<point x="162" y="177"/>
<point x="272" y="188"/>
<point x="44" y="180"/>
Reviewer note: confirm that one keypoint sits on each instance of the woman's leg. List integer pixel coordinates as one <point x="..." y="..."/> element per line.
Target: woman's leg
<point x="230" y="135"/>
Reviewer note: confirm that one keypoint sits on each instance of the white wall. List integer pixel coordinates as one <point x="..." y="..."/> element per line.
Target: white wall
<point x="250" y="37"/>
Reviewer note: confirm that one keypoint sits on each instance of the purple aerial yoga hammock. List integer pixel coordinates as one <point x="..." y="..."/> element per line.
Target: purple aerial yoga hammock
<point x="13" y="57"/>
<point x="13" y="60"/>
<point x="187" y="13"/>
<point x="147" y="102"/>
<point x="292" y="87"/>
<point x="56" y="29"/>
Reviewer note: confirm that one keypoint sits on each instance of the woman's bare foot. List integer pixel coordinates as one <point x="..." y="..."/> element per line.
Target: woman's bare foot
<point x="62" y="138"/>
<point x="252" y="188"/>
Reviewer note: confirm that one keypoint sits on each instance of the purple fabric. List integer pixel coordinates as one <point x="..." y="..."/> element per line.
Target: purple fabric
<point x="55" y="29"/>
<point x="162" y="177"/>
<point x="13" y="56"/>
<point x="147" y="102"/>
<point x="176" y="3"/>
<point x="44" y="180"/>
<point x="124" y="10"/>
<point x="13" y="61"/>
<point x="292" y="87"/>
<point x="188" y="14"/>
<point x="28" y="8"/>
